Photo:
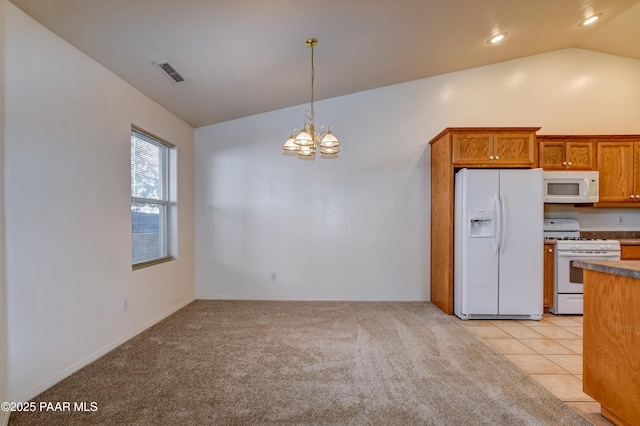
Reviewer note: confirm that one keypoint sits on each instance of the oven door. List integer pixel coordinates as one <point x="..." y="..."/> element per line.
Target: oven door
<point x="569" y="279"/>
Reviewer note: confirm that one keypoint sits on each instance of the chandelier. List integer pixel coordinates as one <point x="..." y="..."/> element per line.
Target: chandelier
<point x="306" y="141"/>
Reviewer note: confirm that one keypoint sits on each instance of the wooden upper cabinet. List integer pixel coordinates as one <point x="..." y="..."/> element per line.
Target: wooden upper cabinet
<point x="514" y="149"/>
<point x="581" y="155"/>
<point x="566" y="153"/>
<point x="496" y="149"/>
<point x="617" y="166"/>
<point x="472" y="148"/>
<point x="636" y="170"/>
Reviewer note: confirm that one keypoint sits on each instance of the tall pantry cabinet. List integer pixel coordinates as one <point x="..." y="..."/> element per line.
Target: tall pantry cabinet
<point x="470" y="147"/>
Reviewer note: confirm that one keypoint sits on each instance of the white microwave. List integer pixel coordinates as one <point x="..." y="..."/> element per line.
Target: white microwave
<point x="571" y="187"/>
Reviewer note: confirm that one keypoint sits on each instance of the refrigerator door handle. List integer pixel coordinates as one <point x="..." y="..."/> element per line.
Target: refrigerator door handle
<point x="503" y="223"/>
<point x="497" y="227"/>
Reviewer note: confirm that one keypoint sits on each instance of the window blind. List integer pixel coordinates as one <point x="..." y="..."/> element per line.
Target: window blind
<point x="149" y="198"/>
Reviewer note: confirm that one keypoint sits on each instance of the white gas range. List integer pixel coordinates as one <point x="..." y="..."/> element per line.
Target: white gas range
<point x="568" y="281"/>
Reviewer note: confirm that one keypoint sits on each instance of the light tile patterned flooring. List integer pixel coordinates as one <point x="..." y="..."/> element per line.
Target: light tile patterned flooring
<point x="549" y="350"/>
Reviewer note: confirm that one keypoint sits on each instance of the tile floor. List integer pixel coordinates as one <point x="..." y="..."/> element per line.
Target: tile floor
<point x="549" y="350"/>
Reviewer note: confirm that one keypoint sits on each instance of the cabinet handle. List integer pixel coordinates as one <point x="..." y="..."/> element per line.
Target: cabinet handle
<point x="550" y="250"/>
<point x="497" y="157"/>
<point x="633" y="196"/>
<point x="569" y="163"/>
<point x="491" y="157"/>
<point x="564" y="163"/>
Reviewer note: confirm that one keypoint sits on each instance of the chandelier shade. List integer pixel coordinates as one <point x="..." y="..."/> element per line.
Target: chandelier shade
<point x="290" y="144"/>
<point x="303" y="139"/>
<point x="306" y="141"/>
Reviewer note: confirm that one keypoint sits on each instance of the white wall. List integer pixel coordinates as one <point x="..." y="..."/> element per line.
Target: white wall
<point x="67" y="201"/>
<point x="357" y="227"/>
<point x="4" y="417"/>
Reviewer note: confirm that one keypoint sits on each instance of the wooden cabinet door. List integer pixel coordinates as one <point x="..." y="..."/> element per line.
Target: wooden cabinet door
<point x="580" y="156"/>
<point x="615" y="163"/>
<point x="551" y="155"/>
<point x="566" y="155"/>
<point x="636" y="170"/>
<point x="514" y="149"/>
<point x="629" y="252"/>
<point x="549" y="274"/>
<point x="472" y="148"/>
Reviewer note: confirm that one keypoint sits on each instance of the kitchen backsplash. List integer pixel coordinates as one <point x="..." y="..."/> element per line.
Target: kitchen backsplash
<point x="612" y="235"/>
<point x="598" y="219"/>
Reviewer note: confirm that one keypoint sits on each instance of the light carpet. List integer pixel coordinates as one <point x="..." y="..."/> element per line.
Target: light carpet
<point x="304" y="363"/>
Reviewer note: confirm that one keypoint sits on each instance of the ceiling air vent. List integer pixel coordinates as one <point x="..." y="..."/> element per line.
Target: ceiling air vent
<point x="169" y="70"/>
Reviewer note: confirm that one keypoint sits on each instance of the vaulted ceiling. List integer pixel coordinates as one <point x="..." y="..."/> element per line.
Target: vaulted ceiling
<point x="245" y="57"/>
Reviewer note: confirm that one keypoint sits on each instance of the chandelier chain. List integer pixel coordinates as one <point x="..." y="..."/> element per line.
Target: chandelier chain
<point x="313" y="75"/>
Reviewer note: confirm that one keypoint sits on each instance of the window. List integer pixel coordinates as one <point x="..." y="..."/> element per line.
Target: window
<point x="150" y="199"/>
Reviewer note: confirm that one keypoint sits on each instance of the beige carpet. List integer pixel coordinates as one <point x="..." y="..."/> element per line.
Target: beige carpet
<point x="305" y="363"/>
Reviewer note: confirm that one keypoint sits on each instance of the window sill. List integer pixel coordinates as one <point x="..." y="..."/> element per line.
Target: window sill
<point x="142" y="265"/>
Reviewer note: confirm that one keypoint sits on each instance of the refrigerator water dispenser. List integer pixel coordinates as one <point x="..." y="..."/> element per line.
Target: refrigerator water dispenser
<point x="481" y="223"/>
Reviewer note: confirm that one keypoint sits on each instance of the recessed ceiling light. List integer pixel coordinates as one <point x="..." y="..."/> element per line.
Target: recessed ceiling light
<point x="590" y="20"/>
<point x="497" y="38"/>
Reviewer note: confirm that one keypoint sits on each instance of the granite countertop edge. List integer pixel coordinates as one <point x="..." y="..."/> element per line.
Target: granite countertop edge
<point x="624" y="268"/>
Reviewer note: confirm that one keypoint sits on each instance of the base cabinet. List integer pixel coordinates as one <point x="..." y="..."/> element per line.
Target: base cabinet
<point x="629" y="252"/>
<point x="549" y="264"/>
<point x="611" y="343"/>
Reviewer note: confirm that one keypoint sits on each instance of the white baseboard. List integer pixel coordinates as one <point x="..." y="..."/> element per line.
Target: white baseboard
<point x="37" y="390"/>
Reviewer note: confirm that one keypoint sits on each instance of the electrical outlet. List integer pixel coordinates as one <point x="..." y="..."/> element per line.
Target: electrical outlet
<point x="620" y="220"/>
<point x="125" y="305"/>
<point x="274" y="276"/>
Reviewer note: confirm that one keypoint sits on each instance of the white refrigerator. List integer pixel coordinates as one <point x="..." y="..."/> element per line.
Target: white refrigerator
<point x="498" y="244"/>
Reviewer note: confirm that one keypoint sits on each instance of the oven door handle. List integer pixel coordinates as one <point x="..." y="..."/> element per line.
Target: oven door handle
<point x="581" y="255"/>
